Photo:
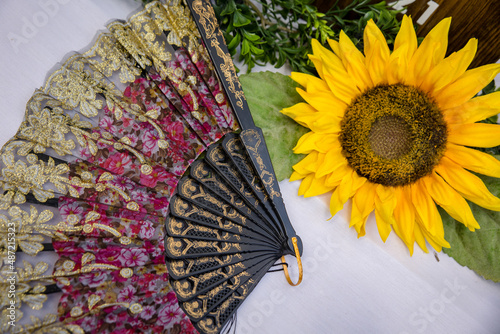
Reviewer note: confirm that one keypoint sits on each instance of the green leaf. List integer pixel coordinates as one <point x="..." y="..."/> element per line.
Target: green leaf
<point x="267" y="93"/>
<point x="255" y="50"/>
<point x="229" y="8"/>
<point x="479" y="250"/>
<point x="245" y="47"/>
<point x="251" y="36"/>
<point x="234" y="42"/>
<point x="240" y="20"/>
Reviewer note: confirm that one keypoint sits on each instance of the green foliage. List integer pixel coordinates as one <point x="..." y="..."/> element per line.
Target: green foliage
<point x="267" y="93"/>
<point x="280" y="31"/>
<point x="479" y="250"/>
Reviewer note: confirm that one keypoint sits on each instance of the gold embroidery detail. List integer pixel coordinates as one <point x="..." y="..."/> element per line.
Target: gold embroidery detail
<point x="212" y="32"/>
<point x="126" y="272"/>
<point x="93" y="300"/>
<point x="133" y="206"/>
<point x="125" y="240"/>
<point x="20" y="177"/>
<point x="28" y="281"/>
<point x="47" y="324"/>
<point x="68" y="265"/>
<point x="146" y="169"/>
<point x="135" y="308"/>
<point x="76" y="311"/>
<point x="252" y="141"/>
<point x="29" y="227"/>
<point x="76" y="85"/>
<point x="176" y="19"/>
<point x="219" y="98"/>
<point x="81" y="85"/>
<point x="109" y="56"/>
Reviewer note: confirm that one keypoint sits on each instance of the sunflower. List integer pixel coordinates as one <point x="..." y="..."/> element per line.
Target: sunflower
<point x="392" y="131"/>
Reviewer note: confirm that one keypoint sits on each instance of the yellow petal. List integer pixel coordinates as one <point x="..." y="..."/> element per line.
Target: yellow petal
<point x="425" y="208"/>
<point x="312" y="186"/>
<point x="406" y="37"/>
<point x="320" y="51"/>
<point x="303" y="146"/>
<point x="476" y="134"/>
<point x="363" y="203"/>
<point x="405" y="46"/>
<point x="377" y="53"/>
<point x="333" y="160"/>
<point x="467" y="184"/>
<point x="385" y="203"/>
<point x="364" y="199"/>
<point x="309" y="82"/>
<point x="346" y="189"/>
<point x="335" y="46"/>
<point x="308" y="164"/>
<point x="337" y="175"/>
<point x="329" y="60"/>
<point x="437" y="242"/>
<point x="419" y="237"/>
<point x="429" y="53"/>
<point x="342" y="85"/>
<point x="474" y="110"/>
<point x="324" y="101"/>
<point x="317" y="187"/>
<point x="312" y="141"/>
<point x="297" y="176"/>
<point x="451" y="68"/>
<point x="318" y="65"/>
<point x="397" y="67"/>
<point x="404" y="215"/>
<point x="450" y="200"/>
<point x="466" y="86"/>
<point x="298" y="110"/>
<point x="354" y="63"/>
<point x="429" y="222"/>
<point x="305" y="184"/>
<point x="383" y="226"/>
<point x="473" y="160"/>
<point x="317" y="121"/>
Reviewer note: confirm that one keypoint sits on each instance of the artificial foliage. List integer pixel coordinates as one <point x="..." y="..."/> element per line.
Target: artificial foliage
<point x="276" y="32"/>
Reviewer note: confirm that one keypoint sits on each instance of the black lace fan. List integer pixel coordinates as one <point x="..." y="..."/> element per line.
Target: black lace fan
<point x="98" y="215"/>
<point x="227" y="225"/>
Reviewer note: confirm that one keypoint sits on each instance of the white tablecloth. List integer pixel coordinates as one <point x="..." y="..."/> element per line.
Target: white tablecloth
<point x="350" y="285"/>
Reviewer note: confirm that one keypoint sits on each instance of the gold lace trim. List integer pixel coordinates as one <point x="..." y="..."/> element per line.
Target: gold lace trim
<point x="83" y="83"/>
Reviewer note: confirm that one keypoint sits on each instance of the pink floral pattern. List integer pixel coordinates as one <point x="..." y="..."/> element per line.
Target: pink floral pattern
<point x="147" y="285"/>
<point x="170" y="313"/>
<point x="113" y="251"/>
<point x="117" y="163"/>
<point x="132" y="257"/>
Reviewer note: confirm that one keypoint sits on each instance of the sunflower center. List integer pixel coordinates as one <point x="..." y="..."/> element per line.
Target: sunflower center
<point x="393" y="134"/>
<point x="390" y="137"/>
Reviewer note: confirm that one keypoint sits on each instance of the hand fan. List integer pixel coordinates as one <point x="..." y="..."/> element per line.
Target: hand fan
<point x="88" y="213"/>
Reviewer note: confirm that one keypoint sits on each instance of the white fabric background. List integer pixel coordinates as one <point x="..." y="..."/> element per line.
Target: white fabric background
<point x="350" y="285"/>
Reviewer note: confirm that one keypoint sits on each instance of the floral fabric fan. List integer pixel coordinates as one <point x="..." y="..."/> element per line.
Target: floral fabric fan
<point x="88" y="213"/>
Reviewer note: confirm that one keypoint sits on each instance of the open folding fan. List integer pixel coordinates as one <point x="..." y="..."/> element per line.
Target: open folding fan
<point x="88" y="216"/>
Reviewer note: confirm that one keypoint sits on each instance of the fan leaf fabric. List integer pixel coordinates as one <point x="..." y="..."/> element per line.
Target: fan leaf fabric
<point x="267" y="93"/>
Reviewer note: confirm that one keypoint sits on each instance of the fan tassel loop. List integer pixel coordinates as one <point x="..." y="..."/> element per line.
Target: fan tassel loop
<point x="299" y="263"/>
